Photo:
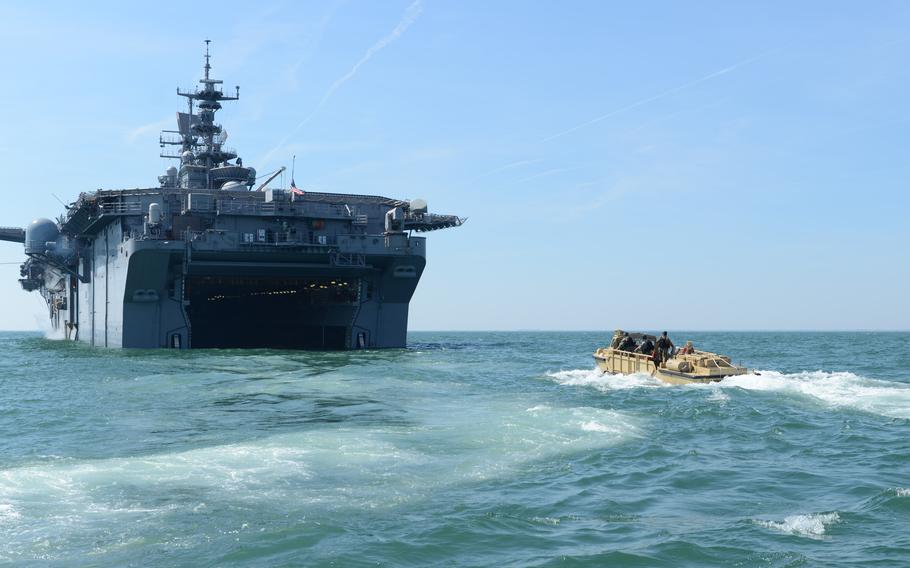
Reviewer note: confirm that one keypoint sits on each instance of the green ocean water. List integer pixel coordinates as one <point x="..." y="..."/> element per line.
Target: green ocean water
<point x="466" y="449"/>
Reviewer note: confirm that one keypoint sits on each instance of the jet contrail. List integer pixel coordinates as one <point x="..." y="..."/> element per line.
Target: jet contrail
<point x="409" y="17"/>
<point x="666" y="93"/>
<point x="517" y="164"/>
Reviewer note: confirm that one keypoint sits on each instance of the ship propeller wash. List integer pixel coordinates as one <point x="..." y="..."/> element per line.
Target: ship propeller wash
<point x="203" y="260"/>
<point x="683" y="366"/>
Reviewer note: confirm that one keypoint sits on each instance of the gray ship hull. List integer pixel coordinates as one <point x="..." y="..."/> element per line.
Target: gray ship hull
<point x="205" y="293"/>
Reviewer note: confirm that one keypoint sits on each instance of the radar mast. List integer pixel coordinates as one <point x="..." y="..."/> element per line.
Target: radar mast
<point x="200" y="138"/>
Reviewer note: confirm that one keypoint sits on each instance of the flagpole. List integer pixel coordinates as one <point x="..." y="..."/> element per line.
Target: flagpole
<point x="293" y="166"/>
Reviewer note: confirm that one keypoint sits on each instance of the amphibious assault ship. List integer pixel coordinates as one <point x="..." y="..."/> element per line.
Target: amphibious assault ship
<point x="205" y="260"/>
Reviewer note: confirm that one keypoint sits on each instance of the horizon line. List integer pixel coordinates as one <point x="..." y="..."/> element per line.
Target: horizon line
<point x="669" y="330"/>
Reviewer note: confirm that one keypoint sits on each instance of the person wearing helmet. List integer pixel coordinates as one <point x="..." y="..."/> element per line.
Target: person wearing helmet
<point x="617" y="338"/>
<point x="646" y="347"/>
<point x="664" y="348"/>
<point x="627" y="343"/>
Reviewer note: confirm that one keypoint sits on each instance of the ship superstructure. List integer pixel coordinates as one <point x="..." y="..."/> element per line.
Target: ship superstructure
<point x="206" y="260"/>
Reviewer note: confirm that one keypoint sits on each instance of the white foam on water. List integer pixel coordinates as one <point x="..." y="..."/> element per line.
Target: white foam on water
<point x="44" y="325"/>
<point x="811" y="525"/>
<point x="8" y="513"/>
<point x="594" y="426"/>
<point x="841" y="390"/>
<point x="330" y="468"/>
<point x="902" y="492"/>
<point x="719" y="396"/>
<point x="599" y="380"/>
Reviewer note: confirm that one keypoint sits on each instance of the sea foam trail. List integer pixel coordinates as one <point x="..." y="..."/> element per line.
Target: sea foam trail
<point x="599" y="380"/>
<point x="812" y="525"/>
<point x="841" y="390"/>
<point x="299" y="473"/>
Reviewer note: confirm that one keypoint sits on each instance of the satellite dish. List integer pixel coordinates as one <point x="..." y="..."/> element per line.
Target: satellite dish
<point x="418" y="205"/>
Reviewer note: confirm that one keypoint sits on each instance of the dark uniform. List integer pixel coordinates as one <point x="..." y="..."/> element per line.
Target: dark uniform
<point x="627" y="343"/>
<point x="664" y="345"/>
<point x="646" y="347"/>
<point x="617" y="339"/>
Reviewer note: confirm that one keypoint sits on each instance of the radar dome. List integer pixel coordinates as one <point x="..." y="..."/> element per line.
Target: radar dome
<point x="232" y="185"/>
<point x="187" y="156"/>
<point x="418" y="205"/>
<point x="37" y="235"/>
<point x="172" y="171"/>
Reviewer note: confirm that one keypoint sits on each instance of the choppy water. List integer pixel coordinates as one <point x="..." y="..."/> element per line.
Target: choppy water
<point x="467" y="449"/>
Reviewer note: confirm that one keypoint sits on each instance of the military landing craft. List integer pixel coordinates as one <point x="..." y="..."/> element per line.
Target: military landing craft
<point x="204" y="260"/>
<point x="683" y="366"/>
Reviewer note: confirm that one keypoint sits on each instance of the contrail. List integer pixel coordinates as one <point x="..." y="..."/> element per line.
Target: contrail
<point x="666" y="93"/>
<point x="410" y="16"/>
<point x="517" y="164"/>
<point x="544" y="173"/>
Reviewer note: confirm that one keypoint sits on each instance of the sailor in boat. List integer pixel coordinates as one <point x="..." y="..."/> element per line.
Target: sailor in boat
<point x="664" y="348"/>
<point x="646" y="347"/>
<point x="627" y="343"/>
<point x="617" y="338"/>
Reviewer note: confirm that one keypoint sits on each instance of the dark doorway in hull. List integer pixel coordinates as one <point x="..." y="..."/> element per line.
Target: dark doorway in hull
<point x="243" y="312"/>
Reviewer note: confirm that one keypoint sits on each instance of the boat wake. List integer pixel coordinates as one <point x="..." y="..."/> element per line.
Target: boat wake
<point x="297" y="474"/>
<point x="599" y="380"/>
<point x="839" y="390"/>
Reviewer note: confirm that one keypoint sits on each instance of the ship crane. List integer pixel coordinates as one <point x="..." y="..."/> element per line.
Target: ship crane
<point x="271" y="177"/>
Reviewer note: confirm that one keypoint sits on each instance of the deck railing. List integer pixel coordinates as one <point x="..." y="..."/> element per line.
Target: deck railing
<point x="120" y="208"/>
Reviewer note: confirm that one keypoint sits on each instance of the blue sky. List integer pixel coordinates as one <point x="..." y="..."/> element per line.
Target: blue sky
<point x="701" y="165"/>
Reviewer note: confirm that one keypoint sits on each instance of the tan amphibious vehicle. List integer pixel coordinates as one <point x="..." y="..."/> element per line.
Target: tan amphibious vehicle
<point x="631" y="353"/>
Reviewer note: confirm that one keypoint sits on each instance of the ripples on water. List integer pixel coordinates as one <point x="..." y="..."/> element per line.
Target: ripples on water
<point x="468" y="449"/>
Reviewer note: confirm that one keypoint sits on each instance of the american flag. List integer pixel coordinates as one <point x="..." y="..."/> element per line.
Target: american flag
<point x="294" y="188"/>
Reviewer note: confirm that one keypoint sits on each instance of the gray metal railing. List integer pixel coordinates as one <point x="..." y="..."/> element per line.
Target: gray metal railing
<point x="269" y="238"/>
<point x="121" y="208"/>
<point x="291" y="209"/>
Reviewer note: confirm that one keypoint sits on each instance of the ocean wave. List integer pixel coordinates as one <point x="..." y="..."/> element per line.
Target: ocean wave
<point x="842" y="390"/>
<point x="599" y="380"/>
<point x="812" y="525"/>
<point x="836" y="389"/>
<point x="8" y="512"/>
<point x="301" y="472"/>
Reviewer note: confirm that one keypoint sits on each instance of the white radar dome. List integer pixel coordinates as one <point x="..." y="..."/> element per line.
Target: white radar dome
<point x="418" y="205"/>
<point x="37" y="235"/>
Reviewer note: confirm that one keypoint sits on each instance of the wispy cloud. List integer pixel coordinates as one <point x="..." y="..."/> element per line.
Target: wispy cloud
<point x="312" y="41"/>
<point x="545" y="173"/>
<point x="504" y="168"/>
<point x="661" y="95"/>
<point x="149" y="128"/>
<point x="410" y="16"/>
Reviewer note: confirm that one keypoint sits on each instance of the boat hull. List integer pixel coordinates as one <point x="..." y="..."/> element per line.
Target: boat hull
<point x="625" y="363"/>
